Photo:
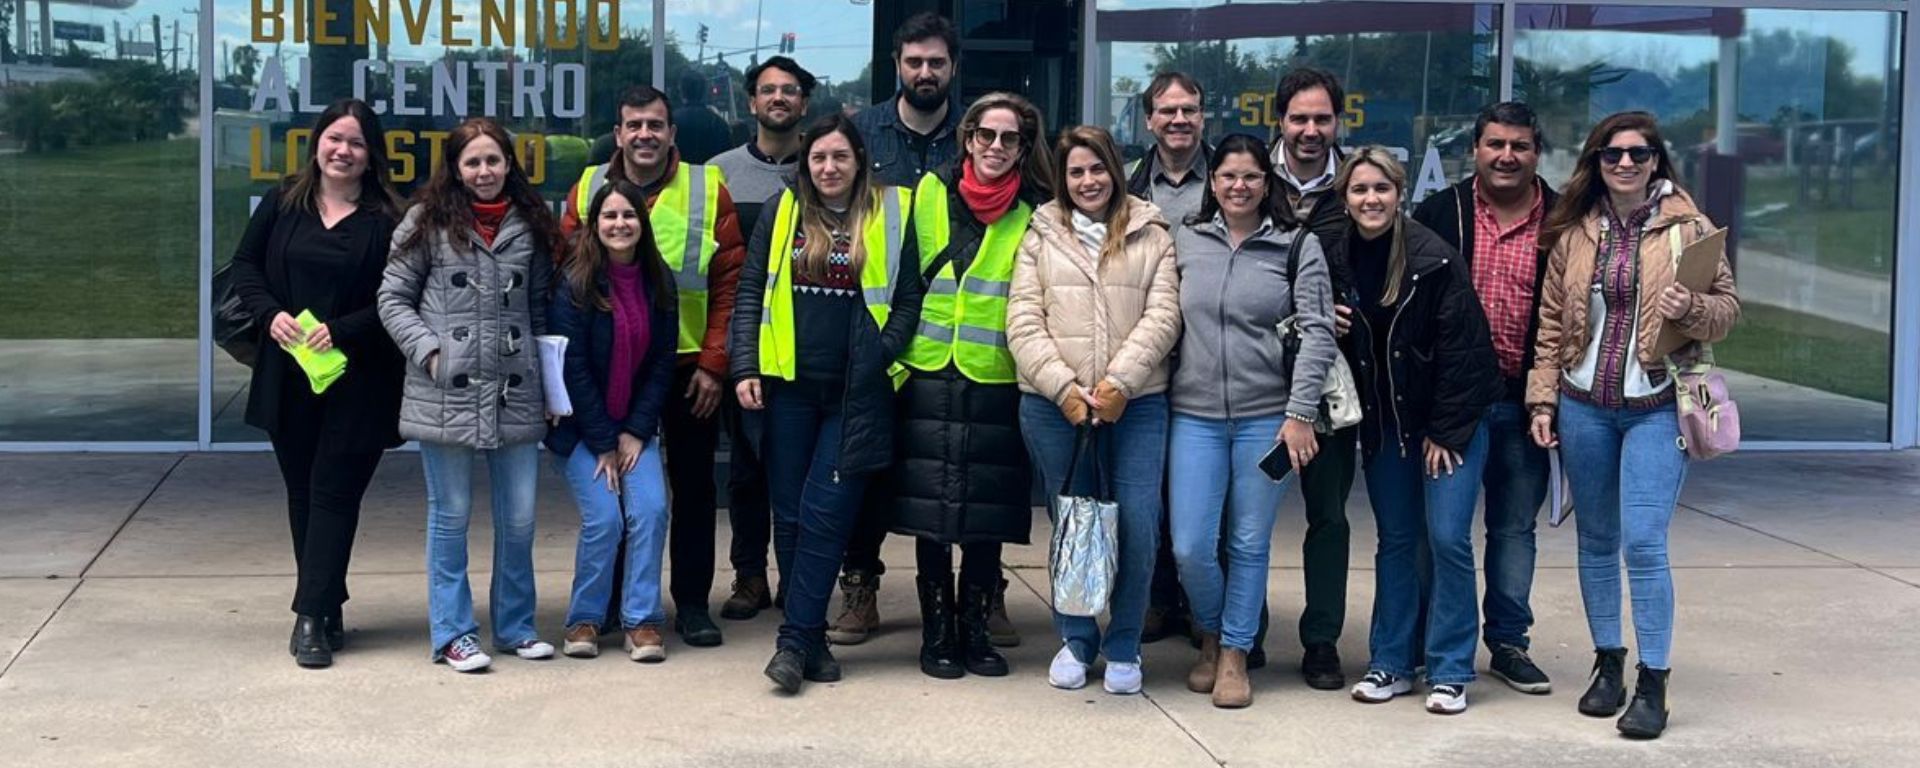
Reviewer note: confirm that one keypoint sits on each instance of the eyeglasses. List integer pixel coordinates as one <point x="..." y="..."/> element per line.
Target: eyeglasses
<point x="785" y="90"/>
<point x="987" y="136"/>
<point x="1640" y="154"/>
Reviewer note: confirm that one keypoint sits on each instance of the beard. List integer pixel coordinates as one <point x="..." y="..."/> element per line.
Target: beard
<point x="780" y="126"/>
<point x="928" y="102"/>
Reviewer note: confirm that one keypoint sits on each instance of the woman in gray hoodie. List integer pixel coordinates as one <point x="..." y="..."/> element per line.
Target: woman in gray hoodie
<point x="1235" y="400"/>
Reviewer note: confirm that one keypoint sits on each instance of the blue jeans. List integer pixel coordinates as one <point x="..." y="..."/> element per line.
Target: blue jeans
<point x="512" y="470"/>
<point x="1217" y="483"/>
<point x="1133" y="452"/>
<point x="1516" y="487"/>
<point x="636" y="513"/>
<point x="1409" y="506"/>
<point x="1625" y="470"/>
<point x="814" y="505"/>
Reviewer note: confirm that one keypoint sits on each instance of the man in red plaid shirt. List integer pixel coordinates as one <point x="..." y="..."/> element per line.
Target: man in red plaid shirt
<point x="1494" y="218"/>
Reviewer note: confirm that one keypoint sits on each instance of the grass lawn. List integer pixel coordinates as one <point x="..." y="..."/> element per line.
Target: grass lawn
<point x="1857" y="239"/>
<point x="1810" y="351"/>
<point x="103" y="242"/>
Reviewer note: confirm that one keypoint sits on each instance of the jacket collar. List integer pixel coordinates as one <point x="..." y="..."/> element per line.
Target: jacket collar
<point x="1269" y="231"/>
<point x="1051" y="223"/>
<point x="515" y="225"/>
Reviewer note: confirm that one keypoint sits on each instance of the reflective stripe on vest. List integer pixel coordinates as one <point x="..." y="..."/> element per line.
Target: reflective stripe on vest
<point x="676" y="211"/>
<point x="883" y="237"/>
<point x="964" y="319"/>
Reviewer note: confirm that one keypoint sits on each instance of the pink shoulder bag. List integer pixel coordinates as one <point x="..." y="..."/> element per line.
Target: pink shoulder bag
<point x="1709" y="417"/>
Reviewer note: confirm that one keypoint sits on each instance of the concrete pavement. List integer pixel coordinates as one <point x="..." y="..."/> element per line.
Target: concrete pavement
<point x="143" y="617"/>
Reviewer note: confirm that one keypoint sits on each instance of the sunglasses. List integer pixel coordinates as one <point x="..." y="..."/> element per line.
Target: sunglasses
<point x="987" y="136"/>
<point x="1640" y="154"/>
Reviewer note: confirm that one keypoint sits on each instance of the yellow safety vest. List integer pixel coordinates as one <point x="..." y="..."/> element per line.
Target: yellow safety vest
<point x="884" y="236"/>
<point x="676" y="211"/>
<point x="964" y="319"/>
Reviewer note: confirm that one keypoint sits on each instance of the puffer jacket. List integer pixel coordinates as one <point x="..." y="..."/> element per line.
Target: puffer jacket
<point x="479" y="307"/>
<point x="1564" y="333"/>
<point x="1072" y="320"/>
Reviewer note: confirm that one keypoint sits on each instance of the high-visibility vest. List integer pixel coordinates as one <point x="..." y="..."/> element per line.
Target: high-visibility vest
<point x="676" y="211"/>
<point x="884" y="235"/>
<point x="964" y="319"/>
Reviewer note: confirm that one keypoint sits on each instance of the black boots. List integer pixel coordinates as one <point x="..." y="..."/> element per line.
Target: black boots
<point x="1608" y="693"/>
<point x="790" y="668"/>
<point x="939" y="633"/>
<point x="1646" y="717"/>
<point x="309" y="642"/>
<point x="976" y="605"/>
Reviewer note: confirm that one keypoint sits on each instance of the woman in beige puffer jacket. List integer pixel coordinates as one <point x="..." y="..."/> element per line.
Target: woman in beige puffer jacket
<point x="1093" y="313"/>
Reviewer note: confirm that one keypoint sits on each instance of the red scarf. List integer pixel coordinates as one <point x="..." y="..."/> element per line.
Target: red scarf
<point x="989" y="199"/>
<point x="487" y="218"/>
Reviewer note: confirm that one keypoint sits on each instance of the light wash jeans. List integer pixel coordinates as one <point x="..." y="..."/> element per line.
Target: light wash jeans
<point x="1215" y="488"/>
<point x="1409" y="506"/>
<point x="1625" y="470"/>
<point x="449" y="471"/>
<point x="636" y="513"/>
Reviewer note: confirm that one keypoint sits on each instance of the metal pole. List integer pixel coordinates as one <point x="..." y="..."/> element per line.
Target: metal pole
<point x="1906" y="274"/>
<point x="660" y="44"/>
<point x="1726" y="139"/>
<point x="758" y="6"/>
<point x="1508" y="20"/>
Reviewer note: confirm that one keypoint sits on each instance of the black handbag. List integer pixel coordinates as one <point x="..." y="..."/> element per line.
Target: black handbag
<point x="235" y="328"/>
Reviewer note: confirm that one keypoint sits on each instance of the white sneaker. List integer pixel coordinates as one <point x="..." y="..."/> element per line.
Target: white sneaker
<point x="1122" y="678"/>
<point x="1379" y="686"/>
<point x="464" y="655"/>
<point x="1447" y="699"/>
<point x="1067" y="672"/>
<point x="533" y="649"/>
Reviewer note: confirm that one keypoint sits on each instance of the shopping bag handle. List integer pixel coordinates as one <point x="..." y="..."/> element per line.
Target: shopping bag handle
<point x="1083" y="441"/>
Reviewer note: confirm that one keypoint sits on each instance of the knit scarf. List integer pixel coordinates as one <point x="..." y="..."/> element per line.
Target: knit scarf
<point x="989" y="199"/>
<point x="487" y="218"/>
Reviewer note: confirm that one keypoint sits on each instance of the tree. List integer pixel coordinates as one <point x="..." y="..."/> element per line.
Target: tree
<point x="246" y="65"/>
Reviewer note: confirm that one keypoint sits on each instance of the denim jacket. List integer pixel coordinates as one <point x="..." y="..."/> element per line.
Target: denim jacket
<point x="894" y="162"/>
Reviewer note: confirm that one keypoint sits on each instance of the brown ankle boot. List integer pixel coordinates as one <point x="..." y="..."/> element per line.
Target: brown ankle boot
<point x="1200" y="678"/>
<point x="1231" y="688"/>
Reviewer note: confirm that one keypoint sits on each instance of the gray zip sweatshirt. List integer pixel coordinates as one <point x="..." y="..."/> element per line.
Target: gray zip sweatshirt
<point x="1230" y="300"/>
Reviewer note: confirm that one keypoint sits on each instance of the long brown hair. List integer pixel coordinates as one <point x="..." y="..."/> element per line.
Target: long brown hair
<point x="1380" y="158"/>
<point x="447" y="206"/>
<point x="1585" y="189"/>
<point x="1117" y="212"/>
<point x="376" y="182"/>
<point x="587" y="263"/>
<point x="1036" y="162"/>
<point x="813" y="209"/>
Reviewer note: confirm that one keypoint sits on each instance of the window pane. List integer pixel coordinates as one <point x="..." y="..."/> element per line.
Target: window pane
<point x="99" y="214"/>
<point x="1801" y="162"/>
<point x="551" y="82"/>
<point x="1415" y="74"/>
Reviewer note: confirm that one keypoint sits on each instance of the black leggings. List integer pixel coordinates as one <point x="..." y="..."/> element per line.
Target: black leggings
<point x="324" y="490"/>
<point x="980" y="564"/>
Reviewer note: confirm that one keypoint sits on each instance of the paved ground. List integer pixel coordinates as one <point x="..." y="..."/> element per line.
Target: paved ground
<point x="143" y="621"/>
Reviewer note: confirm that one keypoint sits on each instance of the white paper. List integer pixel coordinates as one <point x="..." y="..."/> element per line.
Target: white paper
<point x="553" y="356"/>
<point x="1557" y="490"/>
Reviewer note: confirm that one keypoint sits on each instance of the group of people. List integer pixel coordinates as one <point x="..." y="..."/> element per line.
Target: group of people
<point x="904" y="318"/>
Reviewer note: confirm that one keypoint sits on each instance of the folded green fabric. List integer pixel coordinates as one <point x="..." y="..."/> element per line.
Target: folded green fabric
<point x="323" y="368"/>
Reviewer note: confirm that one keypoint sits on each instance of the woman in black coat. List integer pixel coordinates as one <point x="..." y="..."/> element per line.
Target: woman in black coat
<point x="318" y="244"/>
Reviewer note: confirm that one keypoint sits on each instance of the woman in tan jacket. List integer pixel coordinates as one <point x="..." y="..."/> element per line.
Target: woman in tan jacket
<point x="1608" y="294"/>
<point x="1093" y="313"/>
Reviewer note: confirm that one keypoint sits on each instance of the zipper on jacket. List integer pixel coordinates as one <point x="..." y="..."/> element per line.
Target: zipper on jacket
<point x="846" y="399"/>
<point x="1361" y="315"/>
<point x="1226" y="394"/>
<point x="1399" y="421"/>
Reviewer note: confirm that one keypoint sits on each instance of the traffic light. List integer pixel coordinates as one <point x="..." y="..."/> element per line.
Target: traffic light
<point x="786" y="42"/>
<point x="703" y="34"/>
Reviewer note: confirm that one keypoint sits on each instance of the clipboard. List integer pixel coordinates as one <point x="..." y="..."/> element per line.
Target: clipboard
<point x="1695" y="267"/>
<point x="1557" y="496"/>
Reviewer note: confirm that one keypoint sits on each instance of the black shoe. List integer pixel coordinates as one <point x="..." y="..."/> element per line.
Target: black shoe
<point x="1321" y="667"/>
<point x="1646" y="717"/>
<point x="1511" y="663"/>
<point x="336" y="629"/>
<point x="976" y="603"/>
<point x="696" y="628"/>
<point x="939" y="634"/>
<point x="1608" y="693"/>
<point x="1156" y="627"/>
<point x="787" y="669"/>
<point x="1256" y="658"/>
<point x="820" y="666"/>
<point x="309" y="643"/>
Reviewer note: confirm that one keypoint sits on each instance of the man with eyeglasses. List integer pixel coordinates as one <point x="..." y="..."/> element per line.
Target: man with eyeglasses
<point x="915" y="131"/>
<point x="697" y="231"/>
<point x="1494" y="218"/>
<point x="778" y="90"/>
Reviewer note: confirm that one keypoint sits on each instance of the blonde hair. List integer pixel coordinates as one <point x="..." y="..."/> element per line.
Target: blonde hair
<point x="1378" y="157"/>
<point x="1096" y="140"/>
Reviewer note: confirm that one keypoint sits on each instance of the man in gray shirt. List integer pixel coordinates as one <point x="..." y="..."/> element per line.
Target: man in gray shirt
<point x="777" y="94"/>
<point x="1174" y="174"/>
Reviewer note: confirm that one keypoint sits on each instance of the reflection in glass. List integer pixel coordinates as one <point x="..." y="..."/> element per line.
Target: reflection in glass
<point x="1799" y="163"/>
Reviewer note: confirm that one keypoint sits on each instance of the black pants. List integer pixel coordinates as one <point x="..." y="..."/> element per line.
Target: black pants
<point x="747" y="508"/>
<point x="690" y="443"/>
<point x="980" y="563"/>
<point x="870" y="530"/>
<point x="1325" y="482"/>
<point x="324" y="490"/>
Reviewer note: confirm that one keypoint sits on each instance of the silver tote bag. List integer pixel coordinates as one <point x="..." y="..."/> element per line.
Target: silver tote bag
<point x="1085" y="551"/>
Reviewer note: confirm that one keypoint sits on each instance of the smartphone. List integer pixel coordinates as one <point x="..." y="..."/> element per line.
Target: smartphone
<point x="1276" y="463"/>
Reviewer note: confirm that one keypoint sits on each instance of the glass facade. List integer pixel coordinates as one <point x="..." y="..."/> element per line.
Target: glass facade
<point x="1786" y="122"/>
